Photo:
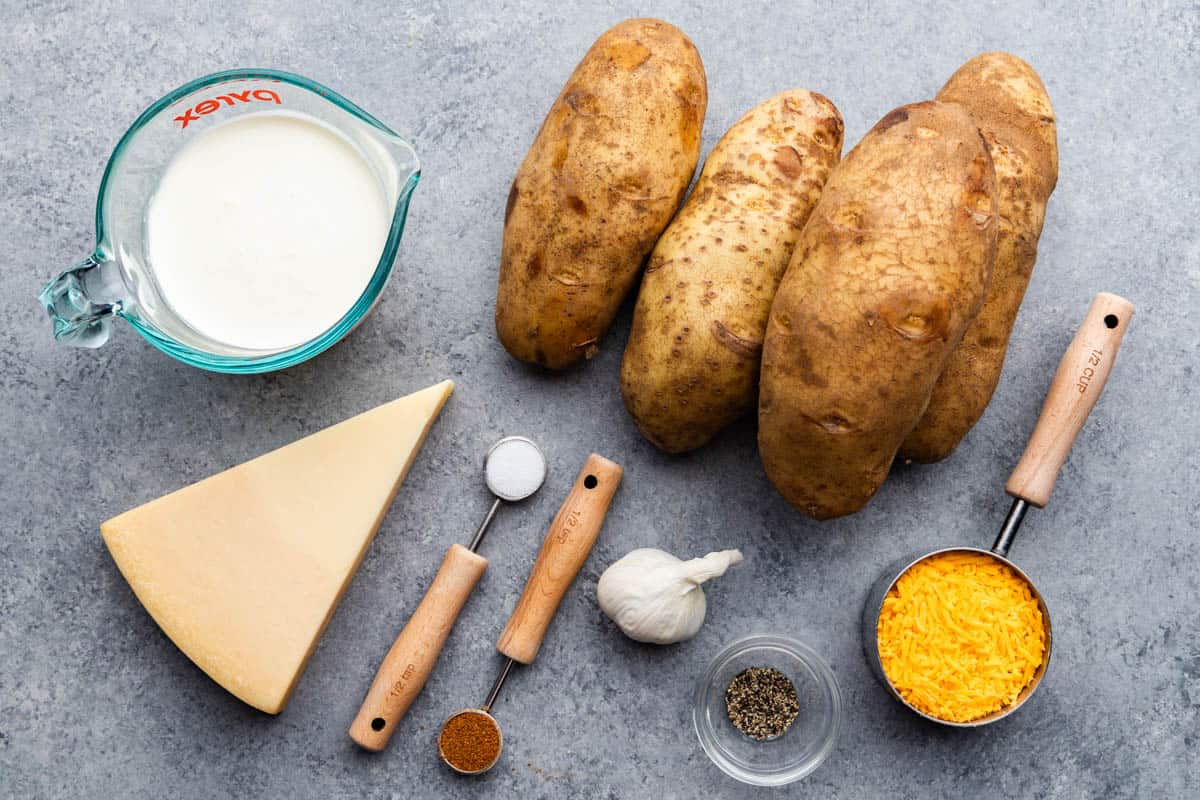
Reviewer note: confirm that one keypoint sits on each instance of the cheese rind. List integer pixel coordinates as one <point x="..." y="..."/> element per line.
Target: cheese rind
<point x="244" y="569"/>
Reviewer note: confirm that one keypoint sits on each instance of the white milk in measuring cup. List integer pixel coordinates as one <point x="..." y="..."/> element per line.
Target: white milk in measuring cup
<point x="260" y="218"/>
<point x="246" y="222"/>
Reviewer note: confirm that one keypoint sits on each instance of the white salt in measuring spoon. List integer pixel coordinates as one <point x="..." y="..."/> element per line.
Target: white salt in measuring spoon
<point x="514" y="469"/>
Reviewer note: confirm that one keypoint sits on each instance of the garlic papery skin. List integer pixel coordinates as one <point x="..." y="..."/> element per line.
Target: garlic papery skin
<point x="655" y="597"/>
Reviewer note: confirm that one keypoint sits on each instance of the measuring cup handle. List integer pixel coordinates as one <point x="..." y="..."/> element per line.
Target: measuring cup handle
<point x="565" y="548"/>
<point x="81" y="302"/>
<point x="1076" y="387"/>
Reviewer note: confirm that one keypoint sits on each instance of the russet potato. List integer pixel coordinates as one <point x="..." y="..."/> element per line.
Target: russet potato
<point x="691" y="363"/>
<point x="601" y="181"/>
<point x="889" y="271"/>
<point x="1009" y="103"/>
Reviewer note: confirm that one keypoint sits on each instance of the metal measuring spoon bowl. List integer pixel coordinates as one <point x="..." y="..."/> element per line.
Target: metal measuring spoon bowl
<point x="476" y="728"/>
<point x="514" y="468"/>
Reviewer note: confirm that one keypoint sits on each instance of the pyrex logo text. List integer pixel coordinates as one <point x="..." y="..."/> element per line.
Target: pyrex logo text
<point x="208" y="106"/>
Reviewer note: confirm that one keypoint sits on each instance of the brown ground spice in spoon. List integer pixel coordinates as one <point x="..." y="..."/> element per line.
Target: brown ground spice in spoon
<point x="469" y="741"/>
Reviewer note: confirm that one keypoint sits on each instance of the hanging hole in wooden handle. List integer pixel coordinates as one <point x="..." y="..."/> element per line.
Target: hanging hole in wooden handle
<point x="590" y="482"/>
<point x="1073" y="393"/>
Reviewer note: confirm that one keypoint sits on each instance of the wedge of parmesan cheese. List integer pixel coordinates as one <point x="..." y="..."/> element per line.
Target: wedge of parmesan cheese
<point x="244" y="569"/>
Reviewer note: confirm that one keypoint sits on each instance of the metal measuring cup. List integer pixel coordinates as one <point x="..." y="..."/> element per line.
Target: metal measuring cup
<point x="1077" y="385"/>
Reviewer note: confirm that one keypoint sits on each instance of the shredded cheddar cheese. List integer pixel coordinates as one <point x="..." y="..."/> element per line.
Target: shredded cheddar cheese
<point x="960" y="635"/>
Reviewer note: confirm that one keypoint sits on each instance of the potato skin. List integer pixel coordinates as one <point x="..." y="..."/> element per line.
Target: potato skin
<point x="691" y="364"/>
<point x="1009" y="103"/>
<point x="602" y="179"/>
<point x="889" y="271"/>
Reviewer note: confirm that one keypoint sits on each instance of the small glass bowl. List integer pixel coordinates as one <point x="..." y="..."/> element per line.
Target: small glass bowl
<point x="804" y="745"/>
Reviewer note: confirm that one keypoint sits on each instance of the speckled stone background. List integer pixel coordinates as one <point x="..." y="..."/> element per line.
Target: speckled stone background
<point x="96" y="702"/>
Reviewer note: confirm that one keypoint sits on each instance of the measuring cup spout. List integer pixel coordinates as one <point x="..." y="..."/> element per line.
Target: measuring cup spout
<point x="405" y="157"/>
<point x="403" y="160"/>
<point x="82" y="300"/>
<point x="402" y="172"/>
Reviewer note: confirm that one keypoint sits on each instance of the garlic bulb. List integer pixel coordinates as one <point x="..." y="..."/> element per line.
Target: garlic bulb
<point x="655" y="597"/>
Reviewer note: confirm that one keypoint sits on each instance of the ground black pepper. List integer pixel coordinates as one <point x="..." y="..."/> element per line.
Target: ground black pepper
<point x="761" y="702"/>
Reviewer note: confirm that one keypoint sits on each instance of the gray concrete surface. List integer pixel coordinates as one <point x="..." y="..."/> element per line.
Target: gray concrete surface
<point x="96" y="702"/>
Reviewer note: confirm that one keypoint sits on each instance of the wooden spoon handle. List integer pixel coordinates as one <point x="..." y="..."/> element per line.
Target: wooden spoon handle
<point x="1076" y="386"/>
<point x="563" y="552"/>
<point x="407" y="665"/>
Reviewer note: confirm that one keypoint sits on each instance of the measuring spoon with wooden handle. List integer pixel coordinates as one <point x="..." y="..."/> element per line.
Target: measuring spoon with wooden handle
<point x="565" y="548"/>
<point x="514" y="469"/>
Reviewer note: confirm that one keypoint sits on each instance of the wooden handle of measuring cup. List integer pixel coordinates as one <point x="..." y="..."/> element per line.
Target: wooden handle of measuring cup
<point x="407" y="665"/>
<point x="563" y="552"/>
<point x="1076" y="386"/>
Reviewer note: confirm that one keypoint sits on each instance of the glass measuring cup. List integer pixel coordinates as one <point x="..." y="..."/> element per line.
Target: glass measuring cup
<point x="117" y="278"/>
